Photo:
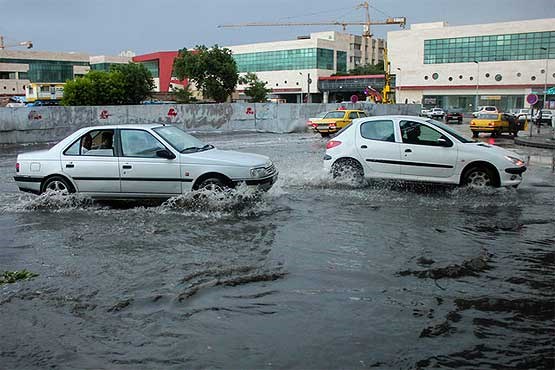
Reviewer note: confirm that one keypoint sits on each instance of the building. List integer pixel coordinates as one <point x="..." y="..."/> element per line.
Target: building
<point x="46" y="70"/>
<point x="293" y="68"/>
<point x="474" y="65"/>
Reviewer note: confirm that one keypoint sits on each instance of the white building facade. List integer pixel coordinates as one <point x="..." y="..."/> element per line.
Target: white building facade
<point x="467" y="66"/>
<point x="286" y="65"/>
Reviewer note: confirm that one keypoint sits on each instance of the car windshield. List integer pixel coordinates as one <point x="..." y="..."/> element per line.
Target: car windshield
<point x="451" y="131"/>
<point x="180" y="140"/>
<point x="488" y="116"/>
<point x="335" y="115"/>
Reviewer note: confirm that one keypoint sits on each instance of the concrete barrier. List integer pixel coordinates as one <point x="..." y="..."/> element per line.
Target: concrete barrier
<point x="46" y="124"/>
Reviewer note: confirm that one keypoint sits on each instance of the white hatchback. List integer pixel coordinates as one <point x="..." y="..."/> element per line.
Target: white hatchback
<point x="418" y="149"/>
<point x="138" y="161"/>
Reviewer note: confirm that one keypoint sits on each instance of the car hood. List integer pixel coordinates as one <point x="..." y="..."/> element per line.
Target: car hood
<point x="227" y="158"/>
<point x="493" y="149"/>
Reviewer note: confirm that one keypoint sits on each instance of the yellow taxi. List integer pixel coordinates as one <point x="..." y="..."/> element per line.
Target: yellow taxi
<point x="335" y="120"/>
<point x="495" y="124"/>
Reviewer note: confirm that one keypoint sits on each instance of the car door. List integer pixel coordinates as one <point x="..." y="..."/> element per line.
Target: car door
<point x="142" y="170"/>
<point x="377" y="146"/>
<point x="92" y="163"/>
<point x="426" y="152"/>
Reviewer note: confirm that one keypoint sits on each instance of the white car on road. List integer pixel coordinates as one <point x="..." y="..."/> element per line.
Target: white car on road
<point x="138" y="161"/>
<point x="419" y="149"/>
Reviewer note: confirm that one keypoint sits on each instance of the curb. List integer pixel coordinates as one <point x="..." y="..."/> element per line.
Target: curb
<point x="547" y="144"/>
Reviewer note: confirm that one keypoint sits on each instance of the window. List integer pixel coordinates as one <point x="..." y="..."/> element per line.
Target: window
<point x="362" y="114"/>
<point x="335" y="114"/>
<point x="378" y="130"/>
<point x="353" y="115"/>
<point x="435" y="76"/>
<point x="93" y="143"/>
<point x="139" y="143"/>
<point x="419" y="134"/>
<point x="498" y="77"/>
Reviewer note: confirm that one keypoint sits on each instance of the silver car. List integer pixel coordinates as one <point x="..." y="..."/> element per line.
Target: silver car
<point x="138" y="161"/>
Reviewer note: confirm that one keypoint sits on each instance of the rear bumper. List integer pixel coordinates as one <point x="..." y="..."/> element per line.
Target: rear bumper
<point x="30" y="184"/>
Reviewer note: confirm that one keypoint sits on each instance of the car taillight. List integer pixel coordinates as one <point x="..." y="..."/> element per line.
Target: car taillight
<point x="490" y="124"/>
<point x="314" y="125"/>
<point x="309" y="123"/>
<point x="17" y="167"/>
<point x="332" y="125"/>
<point x="333" y="144"/>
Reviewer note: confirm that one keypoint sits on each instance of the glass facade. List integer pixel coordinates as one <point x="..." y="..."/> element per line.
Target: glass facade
<point x="341" y="61"/>
<point x="511" y="47"/>
<point x="47" y="70"/>
<point x="153" y="68"/>
<point x="101" y="67"/>
<point x="280" y="60"/>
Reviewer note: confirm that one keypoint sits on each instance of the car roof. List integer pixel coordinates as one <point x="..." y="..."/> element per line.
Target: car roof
<point x="129" y="126"/>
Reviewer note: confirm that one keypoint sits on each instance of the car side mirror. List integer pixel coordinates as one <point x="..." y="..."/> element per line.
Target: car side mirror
<point x="444" y="142"/>
<point x="165" y="153"/>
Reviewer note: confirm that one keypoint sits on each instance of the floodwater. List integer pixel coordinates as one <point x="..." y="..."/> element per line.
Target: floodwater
<point x="314" y="274"/>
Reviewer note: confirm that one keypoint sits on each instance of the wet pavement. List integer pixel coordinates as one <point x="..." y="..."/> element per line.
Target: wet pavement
<point x="313" y="275"/>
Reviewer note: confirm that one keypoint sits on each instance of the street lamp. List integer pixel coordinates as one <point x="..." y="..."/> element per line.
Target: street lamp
<point x="301" y="89"/>
<point x="308" y="80"/>
<point x="477" y="84"/>
<point x="545" y="83"/>
<point x="397" y="79"/>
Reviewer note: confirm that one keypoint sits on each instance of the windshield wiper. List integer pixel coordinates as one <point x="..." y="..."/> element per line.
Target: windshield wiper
<point x="207" y="147"/>
<point x="191" y="149"/>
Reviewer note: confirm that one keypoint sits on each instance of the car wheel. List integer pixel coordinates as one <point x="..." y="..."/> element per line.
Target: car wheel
<point x="459" y="122"/>
<point x="479" y="177"/>
<point x="325" y="134"/>
<point x="57" y="184"/>
<point x="348" y="169"/>
<point x="213" y="184"/>
<point x="475" y="133"/>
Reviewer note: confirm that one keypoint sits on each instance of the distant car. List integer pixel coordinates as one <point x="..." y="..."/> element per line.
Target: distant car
<point x="43" y="103"/>
<point x="418" y="149"/>
<point x="543" y="116"/>
<point x="424" y="112"/>
<point x="311" y="120"/>
<point x="453" y="116"/>
<point x="436" y="113"/>
<point x="485" y="109"/>
<point x="522" y="114"/>
<point x="138" y="161"/>
<point x="335" y="120"/>
<point x="15" y="104"/>
<point x="495" y="124"/>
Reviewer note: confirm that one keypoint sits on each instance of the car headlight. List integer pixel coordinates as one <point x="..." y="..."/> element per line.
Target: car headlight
<point x="514" y="160"/>
<point x="259" y="172"/>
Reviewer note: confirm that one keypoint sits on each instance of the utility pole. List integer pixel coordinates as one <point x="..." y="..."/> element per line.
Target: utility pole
<point x="477" y="84"/>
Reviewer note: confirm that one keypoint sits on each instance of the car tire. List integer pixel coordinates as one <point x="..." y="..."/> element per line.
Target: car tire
<point x="479" y="176"/>
<point x="475" y="133"/>
<point x="325" y="134"/>
<point x="213" y="184"/>
<point x="348" y="168"/>
<point x="459" y="122"/>
<point x="57" y="184"/>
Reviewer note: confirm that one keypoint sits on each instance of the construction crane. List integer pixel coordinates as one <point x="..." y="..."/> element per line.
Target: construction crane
<point x="27" y="44"/>
<point x="402" y="21"/>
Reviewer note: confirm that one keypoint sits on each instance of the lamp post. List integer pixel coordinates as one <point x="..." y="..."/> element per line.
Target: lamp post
<point x="301" y="89"/>
<point x="477" y="84"/>
<point x="546" y="73"/>
<point x="397" y="79"/>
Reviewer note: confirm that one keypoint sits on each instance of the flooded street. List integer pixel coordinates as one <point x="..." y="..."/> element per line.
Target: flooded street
<point x="314" y="274"/>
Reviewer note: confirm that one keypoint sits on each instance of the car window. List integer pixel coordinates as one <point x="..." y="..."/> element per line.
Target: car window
<point x="353" y="115"/>
<point x="378" y="130"/>
<point x="139" y="143"/>
<point x="420" y="134"/>
<point x="94" y="143"/>
<point x="335" y="115"/>
<point x="487" y="116"/>
<point x="362" y="114"/>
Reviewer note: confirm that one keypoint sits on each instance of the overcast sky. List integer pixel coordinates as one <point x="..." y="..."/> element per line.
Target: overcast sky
<point x="109" y="26"/>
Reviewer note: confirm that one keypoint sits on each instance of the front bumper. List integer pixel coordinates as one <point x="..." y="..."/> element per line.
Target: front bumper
<point x="512" y="176"/>
<point x="263" y="184"/>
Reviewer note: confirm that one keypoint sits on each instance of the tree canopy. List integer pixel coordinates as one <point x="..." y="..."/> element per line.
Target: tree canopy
<point x="367" y="69"/>
<point x="256" y="89"/>
<point x="213" y="71"/>
<point x="123" y="84"/>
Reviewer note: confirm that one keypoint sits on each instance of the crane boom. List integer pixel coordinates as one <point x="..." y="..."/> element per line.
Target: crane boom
<point x="28" y="44"/>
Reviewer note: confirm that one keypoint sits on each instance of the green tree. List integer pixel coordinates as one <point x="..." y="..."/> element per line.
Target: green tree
<point x="124" y="84"/>
<point x="213" y="71"/>
<point x="137" y="79"/>
<point x="368" y="69"/>
<point x="184" y="95"/>
<point x="256" y="88"/>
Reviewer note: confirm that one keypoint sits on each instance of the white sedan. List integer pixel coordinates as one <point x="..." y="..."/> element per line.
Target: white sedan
<point x="418" y="149"/>
<point x="138" y="161"/>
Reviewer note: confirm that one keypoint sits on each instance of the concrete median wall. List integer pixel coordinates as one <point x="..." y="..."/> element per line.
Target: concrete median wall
<point x="47" y="124"/>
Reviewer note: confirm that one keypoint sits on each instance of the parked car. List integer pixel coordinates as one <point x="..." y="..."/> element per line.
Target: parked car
<point x="543" y="116"/>
<point x="495" y="124"/>
<point x="485" y="109"/>
<point x="335" y="120"/>
<point x="522" y="114"/>
<point x="417" y="149"/>
<point x="436" y="113"/>
<point x="453" y="116"/>
<point x="424" y="112"/>
<point x="138" y="161"/>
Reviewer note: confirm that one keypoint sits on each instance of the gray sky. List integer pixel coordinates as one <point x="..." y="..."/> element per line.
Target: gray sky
<point x="110" y="26"/>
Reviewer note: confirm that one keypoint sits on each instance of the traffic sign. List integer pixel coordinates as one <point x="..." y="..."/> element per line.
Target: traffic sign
<point x="532" y="99"/>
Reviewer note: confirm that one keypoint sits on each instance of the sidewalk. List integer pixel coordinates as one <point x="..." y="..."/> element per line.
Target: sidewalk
<point x="542" y="140"/>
